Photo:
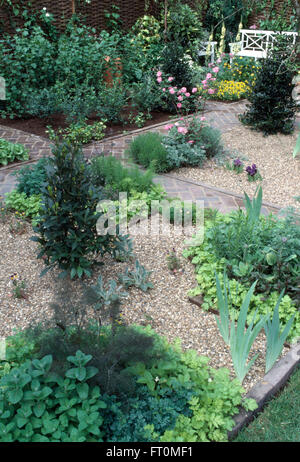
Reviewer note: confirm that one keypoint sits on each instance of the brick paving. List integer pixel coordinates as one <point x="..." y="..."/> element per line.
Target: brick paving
<point x="223" y="116"/>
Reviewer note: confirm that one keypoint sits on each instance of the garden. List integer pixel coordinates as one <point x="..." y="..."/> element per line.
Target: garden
<point x="104" y="341"/>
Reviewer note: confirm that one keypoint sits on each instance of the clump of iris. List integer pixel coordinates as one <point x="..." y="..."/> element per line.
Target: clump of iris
<point x="237" y="165"/>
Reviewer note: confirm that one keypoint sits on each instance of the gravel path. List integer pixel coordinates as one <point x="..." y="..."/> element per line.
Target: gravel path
<point x="273" y="158"/>
<point x="166" y="307"/>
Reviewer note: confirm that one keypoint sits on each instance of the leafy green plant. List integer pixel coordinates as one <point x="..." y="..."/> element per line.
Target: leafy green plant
<point x="80" y="133"/>
<point x="275" y="338"/>
<point x="31" y="179"/>
<point x="11" y="152"/>
<point x="137" y="278"/>
<point x="29" y="206"/>
<point x="148" y="151"/>
<point x="38" y="405"/>
<point x="252" y="257"/>
<point x="240" y="339"/>
<point x="67" y="226"/>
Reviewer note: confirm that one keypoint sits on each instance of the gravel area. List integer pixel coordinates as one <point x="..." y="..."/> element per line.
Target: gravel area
<point x="165" y="307"/>
<point x="273" y="158"/>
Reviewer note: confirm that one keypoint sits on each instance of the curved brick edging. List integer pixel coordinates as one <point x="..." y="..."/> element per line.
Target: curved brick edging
<point x="271" y="383"/>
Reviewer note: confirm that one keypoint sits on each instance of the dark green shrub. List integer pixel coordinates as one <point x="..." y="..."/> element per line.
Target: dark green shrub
<point x="272" y="107"/>
<point x="110" y="172"/>
<point x="148" y="151"/>
<point x="31" y="179"/>
<point x="67" y="227"/>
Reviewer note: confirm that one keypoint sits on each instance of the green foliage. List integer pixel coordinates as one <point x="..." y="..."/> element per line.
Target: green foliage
<point x="26" y="64"/>
<point x="139" y="277"/>
<point x="183" y="25"/>
<point x="272" y="107"/>
<point x="67" y="227"/>
<point x="247" y="257"/>
<point x="111" y="101"/>
<point x="241" y="341"/>
<point x="29" y="206"/>
<point x="208" y="137"/>
<point x="275" y="338"/>
<point x="31" y="179"/>
<point x="175" y="63"/>
<point x="11" y="152"/>
<point x="168" y="387"/>
<point x="80" y="133"/>
<point x="148" y="151"/>
<point x="109" y="172"/>
<point x="38" y="406"/>
<point x="180" y="152"/>
<point x="146" y="29"/>
<point x="144" y="94"/>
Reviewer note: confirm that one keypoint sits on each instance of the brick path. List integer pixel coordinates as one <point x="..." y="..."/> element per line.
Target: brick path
<point x="223" y="116"/>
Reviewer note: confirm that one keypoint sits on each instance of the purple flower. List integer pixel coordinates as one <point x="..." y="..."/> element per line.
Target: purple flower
<point x="251" y="170"/>
<point x="237" y="162"/>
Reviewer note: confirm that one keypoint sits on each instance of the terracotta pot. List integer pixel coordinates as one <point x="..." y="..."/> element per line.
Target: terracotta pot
<point x="113" y="71"/>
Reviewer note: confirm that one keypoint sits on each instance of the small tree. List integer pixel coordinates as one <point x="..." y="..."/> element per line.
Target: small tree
<point x="273" y="108"/>
<point x="67" y="225"/>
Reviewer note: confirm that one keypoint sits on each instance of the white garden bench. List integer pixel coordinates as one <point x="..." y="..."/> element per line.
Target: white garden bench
<point x="203" y="50"/>
<point x="256" y="43"/>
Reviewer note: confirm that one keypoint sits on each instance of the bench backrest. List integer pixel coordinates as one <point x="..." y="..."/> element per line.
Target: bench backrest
<point x="256" y="43"/>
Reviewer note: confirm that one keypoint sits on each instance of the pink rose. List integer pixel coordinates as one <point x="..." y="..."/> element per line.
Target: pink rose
<point x="163" y="89"/>
<point x="194" y="90"/>
<point x="210" y="91"/>
<point x="187" y="94"/>
<point x="183" y="90"/>
<point x="202" y="118"/>
<point x="172" y="91"/>
<point x="182" y="130"/>
<point x="179" y="105"/>
<point x="158" y="74"/>
<point x="219" y="60"/>
<point x="215" y="69"/>
<point x="159" y="79"/>
<point x="170" y="79"/>
<point x="208" y="76"/>
<point x="180" y="98"/>
<point x="191" y="141"/>
<point x="253" y="27"/>
<point x="169" y="126"/>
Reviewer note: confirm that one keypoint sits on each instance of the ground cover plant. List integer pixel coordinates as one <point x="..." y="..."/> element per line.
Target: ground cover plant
<point x="68" y="396"/>
<point x="256" y="248"/>
<point x="12" y="152"/>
